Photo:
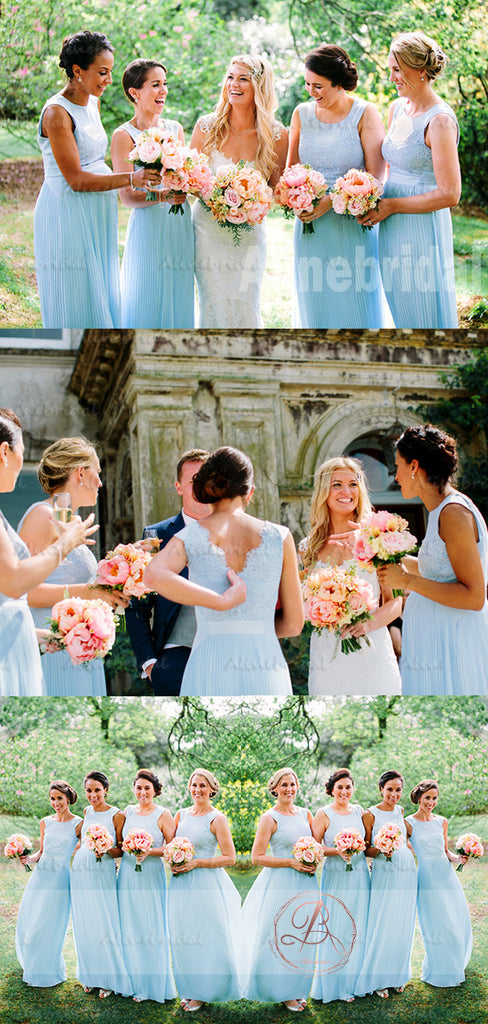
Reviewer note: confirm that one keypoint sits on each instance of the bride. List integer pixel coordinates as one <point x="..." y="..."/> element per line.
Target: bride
<point x="242" y="127"/>
<point x="339" y="496"/>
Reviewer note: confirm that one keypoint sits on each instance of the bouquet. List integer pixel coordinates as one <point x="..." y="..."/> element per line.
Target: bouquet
<point x="183" y="170"/>
<point x="86" y="629"/>
<point x="18" y="845"/>
<point x="383" y="537"/>
<point x="335" y="598"/>
<point x="469" y="845"/>
<point x="349" y="841"/>
<point x="98" y="839"/>
<point x="299" y="190"/>
<point x="123" y="569"/>
<point x="179" y="851"/>
<point x="137" y="841"/>
<point x="239" y="198"/>
<point x="388" y="838"/>
<point x="356" y="193"/>
<point x="307" y="851"/>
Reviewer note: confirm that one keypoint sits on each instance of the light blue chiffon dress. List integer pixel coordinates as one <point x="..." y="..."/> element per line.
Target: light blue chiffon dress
<point x="337" y="279"/>
<point x="203" y="912"/>
<point x="416" y="250"/>
<point x="95" y="912"/>
<point x="443" y="912"/>
<point x="75" y="233"/>
<point x="445" y="650"/>
<point x="43" y="917"/>
<point x="346" y="900"/>
<point x="277" y="966"/>
<point x="391" y="914"/>
<point x="20" y="661"/>
<point x="157" y="285"/>
<point x="61" y="677"/>
<point x="236" y="652"/>
<point x="142" y="906"/>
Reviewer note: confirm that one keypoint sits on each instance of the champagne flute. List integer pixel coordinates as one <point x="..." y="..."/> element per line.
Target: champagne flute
<point x="151" y="535"/>
<point x="62" y="507"/>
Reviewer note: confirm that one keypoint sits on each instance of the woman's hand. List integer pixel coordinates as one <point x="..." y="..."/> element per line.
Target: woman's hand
<point x="346" y="857"/>
<point x="146" y="178"/>
<point x="393" y="575"/>
<point x="234" y="595"/>
<point x="179" y="869"/>
<point x="309" y="869"/>
<point x="322" y="207"/>
<point x="47" y="643"/>
<point x="76" y="532"/>
<point x="115" y="598"/>
<point x="140" y="857"/>
<point x="358" y="629"/>
<point x="383" y="210"/>
<point x="175" y="198"/>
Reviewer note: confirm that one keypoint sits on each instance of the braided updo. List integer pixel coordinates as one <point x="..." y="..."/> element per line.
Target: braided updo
<point x="418" y="51"/>
<point x="227" y="473"/>
<point x="82" y="49"/>
<point x="333" y="63"/>
<point x="434" y="451"/>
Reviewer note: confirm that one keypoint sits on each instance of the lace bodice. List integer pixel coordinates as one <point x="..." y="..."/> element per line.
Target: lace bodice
<point x="385" y="818"/>
<point x="290" y="827"/>
<point x="338" y="822"/>
<point x="89" y="134"/>
<point x="99" y="818"/>
<point x="59" y="842"/>
<point x="404" y="148"/>
<point x="433" y="559"/>
<point x="196" y="828"/>
<point x="427" y="837"/>
<point x="331" y="149"/>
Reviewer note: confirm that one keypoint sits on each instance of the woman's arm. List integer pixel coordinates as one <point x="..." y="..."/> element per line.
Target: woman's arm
<point x="368" y="822"/>
<point x="116" y="850"/>
<point x="20" y="575"/>
<point x="162" y="575"/>
<point x="35" y="857"/>
<point x="220" y="829"/>
<point x="389" y="609"/>
<point x="372" y="133"/>
<point x="453" y="857"/>
<point x="289" y="618"/>
<point x="280" y="151"/>
<point x="266" y="827"/>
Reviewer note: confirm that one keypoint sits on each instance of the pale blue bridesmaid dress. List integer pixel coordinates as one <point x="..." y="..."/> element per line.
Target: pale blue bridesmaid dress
<point x="443" y="912"/>
<point x="203" y="912"/>
<point x="415" y="249"/>
<point x="75" y="233"/>
<point x="20" y="661"/>
<point x="143" y="921"/>
<point x="95" y="912"/>
<point x="272" y="970"/>
<point x="445" y="650"/>
<point x="43" y="916"/>
<point x="391" y="914"/>
<point x="337" y="279"/>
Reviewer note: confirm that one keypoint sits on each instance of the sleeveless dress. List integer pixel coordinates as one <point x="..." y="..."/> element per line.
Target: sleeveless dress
<point x="43" y="917"/>
<point x="416" y="250"/>
<point x="445" y="650"/>
<point x="391" y="915"/>
<point x="75" y="233"/>
<point x="142" y="906"/>
<point x="157" y="268"/>
<point x="20" y="661"/>
<point x="350" y="890"/>
<point x="236" y="652"/>
<point x="61" y="677"/>
<point x="266" y="975"/>
<point x="443" y="912"/>
<point x="337" y="280"/>
<point x="203" y="912"/>
<point x="95" y="913"/>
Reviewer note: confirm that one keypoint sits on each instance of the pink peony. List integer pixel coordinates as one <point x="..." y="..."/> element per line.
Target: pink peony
<point x="339" y="203"/>
<point x="112" y="571"/>
<point x="149" y="151"/>
<point x="232" y="197"/>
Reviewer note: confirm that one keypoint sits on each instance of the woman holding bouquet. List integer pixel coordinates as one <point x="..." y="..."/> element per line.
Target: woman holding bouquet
<point x="337" y="280"/>
<point x="242" y="127"/>
<point x="203" y="903"/>
<point x="342" y="888"/>
<point x="142" y="895"/>
<point x="157" y="268"/>
<point x="43" y="916"/>
<point x="95" y="912"/>
<point x="443" y="912"/>
<point x="393" y="900"/>
<point x="340" y="496"/>
<point x="445" y="631"/>
<point x="266" y="975"/>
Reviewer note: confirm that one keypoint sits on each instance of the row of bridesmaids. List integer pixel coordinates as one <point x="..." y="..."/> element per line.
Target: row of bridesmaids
<point x="124" y="923"/>
<point x="342" y="278"/>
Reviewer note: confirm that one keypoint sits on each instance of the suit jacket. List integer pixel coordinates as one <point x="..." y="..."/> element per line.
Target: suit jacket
<point x="150" y="619"/>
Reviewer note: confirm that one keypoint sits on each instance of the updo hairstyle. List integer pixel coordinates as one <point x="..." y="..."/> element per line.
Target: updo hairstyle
<point x="421" y="788"/>
<point x="135" y="74"/>
<point x="82" y="49"/>
<point x="434" y="451"/>
<point x="61" y="458"/>
<point x="209" y="776"/>
<point x="97" y="777"/>
<point x="418" y="51"/>
<point x="144" y="773"/>
<point x="64" y="787"/>
<point x="333" y="63"/>
<point x="389" y="776"/>
<point x="277" y="777"/>
<point x="227" y="473"/>
<point x="341" y="773"/>
<point x="10" y="428"/>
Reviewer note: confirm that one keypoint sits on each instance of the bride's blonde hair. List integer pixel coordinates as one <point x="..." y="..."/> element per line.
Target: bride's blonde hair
<point x="319" y="513"/>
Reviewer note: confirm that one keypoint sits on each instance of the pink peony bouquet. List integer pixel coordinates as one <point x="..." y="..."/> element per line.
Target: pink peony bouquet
<point x="98" y="839"/>
<point x="335" y="598"/>
<point x="469" y="845"/>
<point x="388" y="838"/>
<point x="179" y="851"/>
<point x="356" y="193"/>
<point x="349" y="841"/>
<point x="299" y="190"/>
<point x="86" y="629"/>
<point x="123" y="569"/>
<point x="18" y="845"/>
<point x="308" y="851"/>
<point x="383" y="537"/>
<point x="183" y="170"/>
<point x="137" y="841"/>
<point x="239" y="198"/>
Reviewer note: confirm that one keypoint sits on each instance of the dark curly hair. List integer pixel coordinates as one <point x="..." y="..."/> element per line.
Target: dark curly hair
<point x="421" y="788"/>
<point x="434" y="451"/>
<point x="227" y="473"/>
<point x="97" y="777"/>
<point x="82" y="49"/>
<point x="333" y="63"/>
<point x="388" y="776"/>
<point x="341" y="773"/>
<point x="10" y="428"/>
<point x="144" y="773"/>
<point x="64" y="787"/>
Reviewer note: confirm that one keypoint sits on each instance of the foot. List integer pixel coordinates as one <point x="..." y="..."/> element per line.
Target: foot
<point x="104" y="993"/>
<point x="137" y="999"/>
<point x="86" y="988"/>
<point x="382" y="993"/>
<point x="348" y="999"/>
<point x="295" y="1005"/>
<point x="399" y="988"/>
<point x="191" y="1005"/>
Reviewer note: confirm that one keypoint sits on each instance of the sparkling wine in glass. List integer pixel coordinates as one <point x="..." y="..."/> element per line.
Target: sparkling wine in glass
<point x="152" y="536"/>
<point x="62" y="507"/>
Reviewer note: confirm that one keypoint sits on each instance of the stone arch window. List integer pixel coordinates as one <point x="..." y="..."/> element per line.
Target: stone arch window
<point x="376" y="453"/>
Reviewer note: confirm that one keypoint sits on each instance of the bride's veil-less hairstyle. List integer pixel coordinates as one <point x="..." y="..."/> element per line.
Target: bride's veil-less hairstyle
<point x="262" y="80"/>
<point x="319" y="514"/>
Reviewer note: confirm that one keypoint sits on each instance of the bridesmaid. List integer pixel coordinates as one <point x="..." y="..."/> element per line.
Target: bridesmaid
<point x="337" y="281"/>
<point x="443" y="912"/>
<point x="157" y="268"/>
<point x="392" y="905"/>
<point x="75" y="220"/>
<point x="70" y="466"/>
<point x="142" y="895"/>
<point x="43" y="917"/>
<point x="96" y="923"/>
<point x="266" y="975"/>
<point x="352" y="890"/>
<point x="445" y="630"/>
<point x="203" y="904"/>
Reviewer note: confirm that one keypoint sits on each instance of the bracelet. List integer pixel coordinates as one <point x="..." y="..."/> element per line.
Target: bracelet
<point x="54" y="547"/>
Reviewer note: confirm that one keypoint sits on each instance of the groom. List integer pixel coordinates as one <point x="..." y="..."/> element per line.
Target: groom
<point x="162" y="632"/>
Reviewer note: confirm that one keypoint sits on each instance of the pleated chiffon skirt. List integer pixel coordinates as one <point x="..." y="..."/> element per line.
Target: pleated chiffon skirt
<point x="157" y="280"/>
<point x="444" y="650"/>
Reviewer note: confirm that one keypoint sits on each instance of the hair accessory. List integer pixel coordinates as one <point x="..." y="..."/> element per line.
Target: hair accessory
<point x="257" y="73"/>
